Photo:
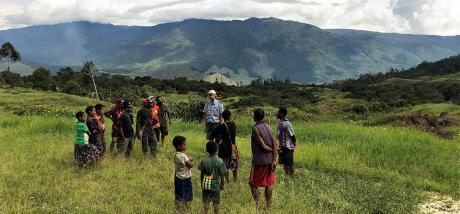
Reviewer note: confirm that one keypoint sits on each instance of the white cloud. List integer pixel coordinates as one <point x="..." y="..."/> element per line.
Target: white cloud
<point x="404" y="16"/>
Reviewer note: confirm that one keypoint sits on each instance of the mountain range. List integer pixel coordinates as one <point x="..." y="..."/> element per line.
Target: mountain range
<point x="238" y="50"/>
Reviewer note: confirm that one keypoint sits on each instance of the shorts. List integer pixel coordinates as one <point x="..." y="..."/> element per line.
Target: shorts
<point x="262" y="176"/>
<point x="211" y="196"/>
<point x="125" y="146"/>
<point x="183" y="189"/>
<point x="286" y="156"/>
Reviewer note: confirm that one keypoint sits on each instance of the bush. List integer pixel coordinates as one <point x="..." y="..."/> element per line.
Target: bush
<point x="189" y="111"/>
<point x="45" y="110"/>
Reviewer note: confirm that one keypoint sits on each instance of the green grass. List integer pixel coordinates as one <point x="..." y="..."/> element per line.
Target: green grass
<point x="342" y="168"/>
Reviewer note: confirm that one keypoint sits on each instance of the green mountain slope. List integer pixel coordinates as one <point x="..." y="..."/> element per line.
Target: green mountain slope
<point x="244" y="50"/>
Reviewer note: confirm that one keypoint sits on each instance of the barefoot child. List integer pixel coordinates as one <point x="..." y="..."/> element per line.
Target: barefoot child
<point x="213" y="171"/>
<point x="183" y="175"/>
<point x="287" y="141"/>
<point x="84" y="153"/>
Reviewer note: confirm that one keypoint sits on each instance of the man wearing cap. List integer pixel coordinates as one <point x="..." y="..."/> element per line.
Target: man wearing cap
<point x="154" y="111"/>
<point x="144" y="128"/>
<point x="114" y="114"/>
<point x="212" y="114"/>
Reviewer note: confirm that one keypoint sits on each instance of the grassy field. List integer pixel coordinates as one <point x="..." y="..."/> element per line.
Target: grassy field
<point x="342" y="168"/>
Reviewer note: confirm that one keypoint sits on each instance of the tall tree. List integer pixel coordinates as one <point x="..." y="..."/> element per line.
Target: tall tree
<point x="10" y="53"/>
<point x="88" y="71"/>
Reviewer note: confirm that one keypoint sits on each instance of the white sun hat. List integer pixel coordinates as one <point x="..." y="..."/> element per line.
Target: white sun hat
<point x="212" y="92"/>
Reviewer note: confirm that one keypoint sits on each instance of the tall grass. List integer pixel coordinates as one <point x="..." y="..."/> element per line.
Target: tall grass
<point x="342" y="168"/>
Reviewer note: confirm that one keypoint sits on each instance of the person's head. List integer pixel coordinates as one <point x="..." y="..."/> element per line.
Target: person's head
<point x="159" y="100"/>
<point x="180" y="143"/>
<point x="259" y="115"/>
<point x="282" y="113"/>
<point x="152" y="99"/>
<point x="99" y="108"/>
<point x="227" y="115"/>
<point x="211" y="148"/>
<point x="81" y="116"/>
<point x="90" y="111"/>
<point x="212" y="95"/>
<point x="119" y="102"/>
<point x="148" y="103"/>
<point x="127" y="107"/>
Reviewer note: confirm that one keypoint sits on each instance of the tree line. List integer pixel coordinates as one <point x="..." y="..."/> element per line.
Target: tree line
<point x="398" y="88"/>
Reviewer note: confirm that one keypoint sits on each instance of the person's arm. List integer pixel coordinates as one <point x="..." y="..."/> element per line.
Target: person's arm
<point x="168" y="113"/>
<point x="108" y="114"/>
<point x="274" y="151"/>
<point x="294" y="139"/>
<point x="291" y="133"/>
<point x="120" y="124"/>
<point x="222" y="182"/>
<point x="233" y="133"/>
<point x="223" y="171"/>
<point x="139" y="125"/>
<point x="221" y="109"/>
<point x="189" y="162"/>
<point x="260" y="141"/>
<point x="205" y="119"/>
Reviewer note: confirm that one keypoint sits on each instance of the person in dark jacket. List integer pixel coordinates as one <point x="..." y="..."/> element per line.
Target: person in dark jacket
<point x="145" y="128"/>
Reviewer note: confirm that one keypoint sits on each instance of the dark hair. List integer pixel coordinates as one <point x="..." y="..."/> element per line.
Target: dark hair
<point x="259" y="114"/>
<point x="211" y="147"/>
<point x="126" y="105"/>
<point x="89" y="109"/>
<point x="98" y="106"/>
<point x="226" y="114"/>
<point x="156" y="98"/>
<point x="79" y="114"/>
<point x="178" y="141"/>
<point x="283" y="110"/>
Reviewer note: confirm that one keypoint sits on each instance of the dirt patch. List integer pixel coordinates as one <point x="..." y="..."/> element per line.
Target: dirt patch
<point x="430" y="123"/>
<point x="438" y="204"/>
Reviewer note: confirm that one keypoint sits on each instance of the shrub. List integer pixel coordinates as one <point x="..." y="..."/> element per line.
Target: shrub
<point x="189" y="111"/>
<point x="45" y="110"/>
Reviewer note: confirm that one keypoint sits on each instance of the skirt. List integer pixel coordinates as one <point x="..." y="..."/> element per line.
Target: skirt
<point x="99" y="141"/>
<point x="85" y="154"/>
<point x="262" y="176"/>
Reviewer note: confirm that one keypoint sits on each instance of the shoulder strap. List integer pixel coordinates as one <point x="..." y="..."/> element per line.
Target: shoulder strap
<point x="228" y="132"/>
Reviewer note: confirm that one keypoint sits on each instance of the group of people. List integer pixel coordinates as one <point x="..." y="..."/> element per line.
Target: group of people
<point x="151" y="127"/>
<point x="223" y="156"/>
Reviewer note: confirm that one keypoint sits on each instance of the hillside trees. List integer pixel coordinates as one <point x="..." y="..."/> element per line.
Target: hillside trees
<point x="9" y="52"/>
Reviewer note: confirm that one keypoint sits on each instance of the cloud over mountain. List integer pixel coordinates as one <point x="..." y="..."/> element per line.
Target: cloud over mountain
<point x="404" y="16"/>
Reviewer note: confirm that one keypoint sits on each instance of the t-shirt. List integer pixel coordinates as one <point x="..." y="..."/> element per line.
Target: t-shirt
<point x="182" y="170"/>
<point x="125" y="122"/>
<point x="213" y="110"/>
<point x="144" y="120"/>
<point x="227" y="136"/>
<point x="155" y="117"/>
<point x="163" y="114"/>
<point x="82" y="135"/>
<point x="92" y="124"/>
<point x="115" y="114"/>
<point x="214" y="166"/>
<point x="285" y="132"/>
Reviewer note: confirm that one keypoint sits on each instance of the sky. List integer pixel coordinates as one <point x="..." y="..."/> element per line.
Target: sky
<point x="436" y="17"/>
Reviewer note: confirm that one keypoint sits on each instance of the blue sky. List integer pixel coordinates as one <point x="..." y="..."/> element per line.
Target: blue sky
<point x="439" y="17"/>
